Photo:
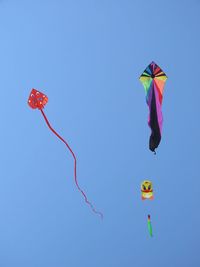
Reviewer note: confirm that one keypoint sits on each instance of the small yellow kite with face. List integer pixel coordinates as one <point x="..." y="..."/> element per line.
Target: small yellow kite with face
<point x="147" y="190"/>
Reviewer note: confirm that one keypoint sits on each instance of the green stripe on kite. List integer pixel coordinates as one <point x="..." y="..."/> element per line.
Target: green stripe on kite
<point x="149" y="226"/>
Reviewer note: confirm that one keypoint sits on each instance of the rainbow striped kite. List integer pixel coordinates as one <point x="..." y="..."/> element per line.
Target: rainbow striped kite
<point x="153" y="80"/>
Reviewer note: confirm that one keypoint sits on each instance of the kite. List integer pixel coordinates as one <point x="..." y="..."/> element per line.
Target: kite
<point x="147" y="190"/>
<point x="38" y="100"/>
<point x="153" y="80"/>
<point x="149" y="226"/>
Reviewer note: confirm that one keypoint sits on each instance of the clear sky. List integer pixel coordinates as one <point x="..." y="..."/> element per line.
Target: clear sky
<point x="87" y="57"/>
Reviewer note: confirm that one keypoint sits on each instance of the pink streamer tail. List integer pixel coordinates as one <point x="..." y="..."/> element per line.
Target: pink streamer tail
<point x="75" y="163"/>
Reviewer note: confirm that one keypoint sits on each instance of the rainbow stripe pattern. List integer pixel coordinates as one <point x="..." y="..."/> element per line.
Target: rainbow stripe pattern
<point x="153" y="80"/>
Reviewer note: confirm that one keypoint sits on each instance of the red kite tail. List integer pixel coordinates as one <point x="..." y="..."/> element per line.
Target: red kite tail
<point x="75" y="176"/>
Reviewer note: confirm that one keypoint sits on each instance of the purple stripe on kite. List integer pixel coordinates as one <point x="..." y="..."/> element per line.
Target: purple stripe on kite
<point x="149" y="101"/>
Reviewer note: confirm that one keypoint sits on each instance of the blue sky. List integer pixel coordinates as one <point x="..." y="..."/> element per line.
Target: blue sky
<point x="87" y="57"/>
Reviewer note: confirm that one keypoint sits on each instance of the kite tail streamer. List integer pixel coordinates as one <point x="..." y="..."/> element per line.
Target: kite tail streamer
<point x="149" y="226"/>
<point x="75" y="176"/>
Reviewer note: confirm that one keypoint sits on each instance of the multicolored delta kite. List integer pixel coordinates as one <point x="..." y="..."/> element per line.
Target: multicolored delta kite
<point x="38" y="100"/>
<point x="153" y="80"/>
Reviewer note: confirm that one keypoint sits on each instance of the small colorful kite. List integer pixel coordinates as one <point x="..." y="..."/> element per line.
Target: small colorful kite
<point x="147" y="190"/>
<point x="153" y="80"/>
<point x="149" y="226"/>
<point x="39" y="100"/>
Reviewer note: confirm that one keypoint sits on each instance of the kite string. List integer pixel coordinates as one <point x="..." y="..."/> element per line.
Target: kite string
<point x="75" y="161"/>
